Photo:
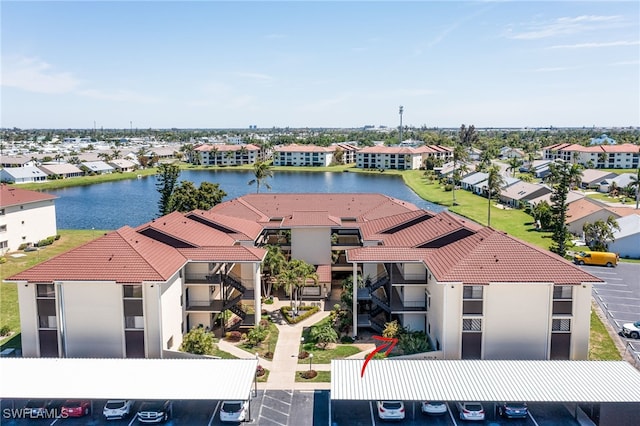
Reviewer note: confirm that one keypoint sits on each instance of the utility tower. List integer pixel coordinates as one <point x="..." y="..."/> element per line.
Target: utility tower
<point x="400" y="135"/>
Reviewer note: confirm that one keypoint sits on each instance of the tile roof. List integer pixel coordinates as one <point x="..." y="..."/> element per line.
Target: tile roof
<point x="310" y="218"/>
<point x="241" y="228"/>
<point x="190" y="231"/>
<point x="303" y="148"/>
<point x="582" y="208"/>
<point x="12" y="196"/>
<point x="442" y="224"/>
<point x="224" y="254"/>
<point x="226" y="147"/>
<point x="60" y="169"/>
<point x="381" y="149"/>
<point x="123" y="256"/>
<point x="387" y="254"/>
<point x="372" y="227"/>
<point x="491" y="256"/>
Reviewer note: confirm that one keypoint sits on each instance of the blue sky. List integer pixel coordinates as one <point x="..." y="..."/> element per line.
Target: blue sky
<point x="211" y="64"/>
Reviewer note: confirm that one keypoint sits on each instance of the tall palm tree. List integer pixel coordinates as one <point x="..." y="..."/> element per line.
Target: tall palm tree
<point x="261" y="171"/>
<point x="514" y="165"/>
<point x="494" y="183"/>
<point x="635" y="183"/>
<point x="460" y="154"/>
<point x="294" y="276"/>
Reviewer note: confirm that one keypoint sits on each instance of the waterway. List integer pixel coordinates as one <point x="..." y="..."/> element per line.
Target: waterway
<point x="111" y="205"/>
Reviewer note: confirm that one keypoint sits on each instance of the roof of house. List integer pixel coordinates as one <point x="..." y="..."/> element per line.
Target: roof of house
<point x="196" y="234"/>
<point x="294" y="147"/>
<point x="571" y="197"/>
<point x="521" y="190"/>
<point x="226" y="147"/>
<point x="12" y="196"/>
<point x="60" y="169"/>
<point x="629" y="225"/>
<point x="24" y="172"/>
<point x="382" y="149"/>
<point x="595" y="176"/>
<point x="97" y="166"/>
<point x="123" y="256"/>
<point x="582" y="208"/>
<point x="475" y="178"/>
<point x="122" y="163"/>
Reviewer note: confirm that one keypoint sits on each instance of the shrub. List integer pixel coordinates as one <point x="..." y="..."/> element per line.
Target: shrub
<point x="23" y="246"/>
<point x="264" y="323"/>
<point x="309" y="374"/>
<point x="256" y="335"/>
<point x="57" y="237"/>
<point x="309" y="310"/>
<point x="346" y="339"/>
<point x="233" y="336"/>
<point x="303" y="355"/>
<point x="5" y="330"/>
<point x="198" y="341"/>
<point x="323" y="334"/>
<point x="260" y="371"/>
<point x="448" y="187"/>
<point x="3" y="260"/>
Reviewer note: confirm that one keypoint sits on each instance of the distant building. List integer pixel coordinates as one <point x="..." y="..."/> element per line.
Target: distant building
<point x="28" y="174"/>
<point x="228" y="155"/>
<point x="627" y="239"/>
<point x="26" y="217"/>
<point x="625" y="156"/>
<point x="303" y="155"/>
<point x="64" y="170"/>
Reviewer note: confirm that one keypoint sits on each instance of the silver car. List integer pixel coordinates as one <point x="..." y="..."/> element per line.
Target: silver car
<point x="471" y="411"/>
<point x="117" y="409"/>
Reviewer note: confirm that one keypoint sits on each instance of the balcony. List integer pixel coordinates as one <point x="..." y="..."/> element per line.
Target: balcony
<point x="398" y="278"/>
<point x="398" y="305"/>
<point x="205" y="306"/>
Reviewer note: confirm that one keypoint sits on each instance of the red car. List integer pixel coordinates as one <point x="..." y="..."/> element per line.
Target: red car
<point x="76" y="408"/>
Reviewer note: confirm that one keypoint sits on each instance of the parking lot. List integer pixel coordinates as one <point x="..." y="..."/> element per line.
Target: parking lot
<point x="301" y="408"/>
<point x="619" y="297"/>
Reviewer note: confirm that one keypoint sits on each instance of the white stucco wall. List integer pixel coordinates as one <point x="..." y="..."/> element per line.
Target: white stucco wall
<point x="516" y="321"/>
<point x="171" y="313"/>
<point x="628" y="246"/>
<point x="451" y="320"/>
<point x="28" y="319"/>
<point x="93" y="319"/>
<point x="581" y="324"/>
<point x="414" y="322"/>
<point x="29" y="224"/>
<point x="413" y="295"/>
<point x="313" y="245"/>
<point x="413" y="271"/>
<point x="152" y="310"/>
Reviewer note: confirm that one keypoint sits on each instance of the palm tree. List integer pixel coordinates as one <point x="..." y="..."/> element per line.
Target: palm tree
<point x="273" y="262"/>
<point x="214" y="152"/>
<point x="635" y="183"/>
<point x="459" y="155"/>
<point x="261" y="171"/>
<point x="514" y="165"/>
<point x="294" y="276"/>
<point x="494" y="183"/>
<point x="575" y="176"/>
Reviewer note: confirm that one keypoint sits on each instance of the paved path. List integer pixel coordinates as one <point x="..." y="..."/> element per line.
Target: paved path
<point x="284" y="366"/>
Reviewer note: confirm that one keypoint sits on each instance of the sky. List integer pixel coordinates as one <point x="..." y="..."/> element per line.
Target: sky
<point x="214" y="64"/>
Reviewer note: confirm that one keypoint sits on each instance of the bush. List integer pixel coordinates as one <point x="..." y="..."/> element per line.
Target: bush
<point x="57" y="237"/>
<point x="5" y="330"/>
<point x="309" y="374"/>
<point x="256" y="335"/>
<point x="198" y="341"/>
<point x="233" y="336"/>
<point x="309" y="310"/>
<point x="260" y="371"/>
<point x="303" y="355"/>
<point x="46" y="242"/>
<point x="264" y="323"/>
<point x="448" y="187"/>
<point x="3" y="260"/>
<point x="23" y="246"/>
<point x="346" y="339"/>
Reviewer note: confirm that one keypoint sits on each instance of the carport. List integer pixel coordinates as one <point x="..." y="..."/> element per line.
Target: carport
<point x="613" y="382"/>
<point x="136" y="379"/>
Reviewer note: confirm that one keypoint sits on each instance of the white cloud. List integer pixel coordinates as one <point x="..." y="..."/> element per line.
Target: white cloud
<point x="565" y="26"/>
<point x="596" y="45"/>
<point x="34" y="75"/>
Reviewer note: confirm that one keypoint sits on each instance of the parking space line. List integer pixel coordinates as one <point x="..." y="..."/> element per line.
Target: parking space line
<point x="373" y="420"/>
<point x="213" y="415"/>
<point x="54" y="422"/>
<point x="279" y="400"/>
<point x="453" y="419"/>
<point x="532" y="419"/>
<point x="133" y="419"/>
<point x="271" y="420"/>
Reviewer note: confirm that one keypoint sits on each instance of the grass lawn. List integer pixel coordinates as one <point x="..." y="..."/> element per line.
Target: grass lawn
<point x="9" y="314"/>
<point x="324" y="356"/>
<point x="601" y="346"/>
<point x="264" y="377"/>
<point x="223" y="354"/>
<point x="268" y="345"/>
<point x="323" y="376"/>
<point x="512" y="221"/>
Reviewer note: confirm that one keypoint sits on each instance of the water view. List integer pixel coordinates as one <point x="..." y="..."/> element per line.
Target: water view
<point x="133" y="202"/>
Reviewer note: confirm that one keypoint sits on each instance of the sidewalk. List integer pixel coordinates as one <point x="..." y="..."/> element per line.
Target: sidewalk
<point x="284" y="366"/>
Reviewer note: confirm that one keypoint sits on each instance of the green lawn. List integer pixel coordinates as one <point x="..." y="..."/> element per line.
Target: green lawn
<point x="324" y="356"/>
<point x="9" y="314"/>
<point x="224" y="355"/>
<point x="322" y="377"/>
<point x="601" y="346"/>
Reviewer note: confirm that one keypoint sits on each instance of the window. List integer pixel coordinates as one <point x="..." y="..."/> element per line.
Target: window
<point x="3" y="228"/>
<point x="4" y="244"/>
<point x="47" y="321"/>
<point x="45" y="290"/>
<point x="134" y="322"/>
<point x="560" y="325"/>
<point x="472" y="292"/>
<point x="132" y="290"/>
<point x="1" y="212"/>
<point x="562" y="292"/>
<point x="472" y="324"/>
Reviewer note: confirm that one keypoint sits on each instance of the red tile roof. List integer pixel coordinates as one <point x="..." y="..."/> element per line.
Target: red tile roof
<point x="303" y="148"/>
<point x="310" y="218"/>
<point x="12" y="196"/>
<point x="184" y="229"/>
<point x="123" y="256"/>
<point x="240" y="227"/>
<point x="224" y="254"/>
<point x="226" y="147"/>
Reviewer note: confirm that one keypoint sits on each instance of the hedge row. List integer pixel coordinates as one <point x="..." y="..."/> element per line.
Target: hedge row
<point x="309" y="310"/>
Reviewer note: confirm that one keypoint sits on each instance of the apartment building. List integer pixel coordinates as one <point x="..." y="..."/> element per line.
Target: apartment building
<point x="399" y="157"/>
<point x="475" y="292"/>
<point x="624" y="156"/>
<point x="303" y="155"/>
<point x="228" y="155"/>
<point x="26" y="217"/>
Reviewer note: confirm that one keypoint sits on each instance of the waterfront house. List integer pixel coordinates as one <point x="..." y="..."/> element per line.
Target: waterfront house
<point x="520" y="193"/>
<point x="97" y="167"/>
<point x="135" y="292"/>
<point x="60" y="170"/>
<point x="627" y="239"/>
<point x="122" y="165"/>
<point x="26" y="217"/>
<point x="26" y="174"/>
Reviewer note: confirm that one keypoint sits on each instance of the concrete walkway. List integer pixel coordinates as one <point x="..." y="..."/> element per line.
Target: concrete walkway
<point x="284" y="366"/>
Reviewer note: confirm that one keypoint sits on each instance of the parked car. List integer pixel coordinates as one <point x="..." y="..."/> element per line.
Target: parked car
<point x="433" y="407"/>
<point x="36" y="407"/>
<point x="117" y="409"/>
<point x="513" y="410"/>
<point x="631" y="329"/>
<point x="155" y="411"/>
<point x="470" y="411"/>
<point x="76" y="408"/>
<point x="600" y="258"/>
<point x="234" y="411"/>
<point x="390" y="410"/>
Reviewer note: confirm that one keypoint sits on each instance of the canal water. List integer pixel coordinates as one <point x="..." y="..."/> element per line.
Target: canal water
<point x="133" y="202"/>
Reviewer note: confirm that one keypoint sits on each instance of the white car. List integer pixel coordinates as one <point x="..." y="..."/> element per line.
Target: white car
<point x="433" y="407"/>
<point x="117" y="409"/>
<point x="471" y="411"/>
<point x="631" y="329"/>
<point x="390" y="410"/>
<point x="234" y="411"/>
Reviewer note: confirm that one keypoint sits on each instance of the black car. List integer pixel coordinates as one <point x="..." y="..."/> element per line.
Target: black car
<point x="155" y="411"/>
<point x="513" y="410"/>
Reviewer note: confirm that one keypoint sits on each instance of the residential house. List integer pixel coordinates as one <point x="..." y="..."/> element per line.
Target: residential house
<point x="62" y="170"/>
<point x="624" y="156"/>
<point x="302" y="155"/>
<point x="589" y="210"/>
<point x="97" y="167"/>
<point x="13" y="161"/>
<point x="135" y="292"/>
<point x="571" y="197"/>
<point x="122" y="165"/>
<point x="228" y="155"/>
<point x="538" y="168"/>
<point x="473" y="182"/>
<point x="509" y="152"/>
<point x="521" y="193"/>
<point x="27" y="174"/>
<point x="627" y="238"/>
<point x="592" y="178"/>
<point x="26" y="217"/>
<point x="621" y="181"/>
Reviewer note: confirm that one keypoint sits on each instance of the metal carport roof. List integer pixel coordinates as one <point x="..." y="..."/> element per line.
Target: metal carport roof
<point x="481" y="380"/>
<point x="99" y="378"/>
